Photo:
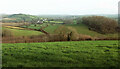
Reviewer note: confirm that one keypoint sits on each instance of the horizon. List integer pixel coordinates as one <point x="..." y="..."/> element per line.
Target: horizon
<point x="58" y="14"/>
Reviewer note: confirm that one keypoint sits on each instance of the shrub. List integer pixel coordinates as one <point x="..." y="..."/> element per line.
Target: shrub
<point x="6" y="33"/>
<point x="100" y="24"/>
<point x="67" y="33"/>
<point x="73" y="35"/>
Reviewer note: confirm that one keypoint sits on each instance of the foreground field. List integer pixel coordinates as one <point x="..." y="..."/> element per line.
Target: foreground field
<point x="61" y="54"/>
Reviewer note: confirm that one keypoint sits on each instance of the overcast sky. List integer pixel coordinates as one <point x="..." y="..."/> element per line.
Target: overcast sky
<point x="71" y="7"/>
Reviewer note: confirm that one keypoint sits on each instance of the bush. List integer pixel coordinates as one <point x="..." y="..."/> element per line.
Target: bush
<point x="100" y="24"/>
<point x="6" y="33"/>
<point x="73" y="35"/>
<point x="67" y="33"/>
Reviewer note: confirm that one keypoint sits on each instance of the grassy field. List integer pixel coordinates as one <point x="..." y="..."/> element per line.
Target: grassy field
<point x="38" y="26"/>
<point x="79" y="28"/>
<point x="12" y="24"/>
<point x="61" y="54"/>
<point x="17" y="32"/>
<point x="83" y="29"/>
<point x="51" y="28"/>
<point x="57" y="22"/>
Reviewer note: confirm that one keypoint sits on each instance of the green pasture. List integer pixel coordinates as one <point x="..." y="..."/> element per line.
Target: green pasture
<point x="61" y="54"/>
<point x="83" y="29"/>
<point x="17" y="32"/>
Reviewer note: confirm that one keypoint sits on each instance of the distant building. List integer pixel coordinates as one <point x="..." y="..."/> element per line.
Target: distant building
<point x="39" y="22"/>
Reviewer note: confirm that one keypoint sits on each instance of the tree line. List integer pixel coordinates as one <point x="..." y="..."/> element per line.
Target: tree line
<point x="101" y="24"/>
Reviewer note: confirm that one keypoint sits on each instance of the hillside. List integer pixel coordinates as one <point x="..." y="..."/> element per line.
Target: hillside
<point x="18" y="18"/>
<point x="79" y="28"/>
<point x="83" y="29"/>
<point x="18" y="32"/>
<point x="69" y="29"/>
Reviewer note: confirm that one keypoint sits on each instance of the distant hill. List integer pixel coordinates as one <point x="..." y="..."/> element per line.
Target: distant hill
<point x="21" y="16"/>
<point x="17" y="18"/>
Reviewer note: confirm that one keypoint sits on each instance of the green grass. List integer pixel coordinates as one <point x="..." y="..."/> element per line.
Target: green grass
<point x="80" y="28"/>
<point x="38" y="26"/>
<point x="83" y="29"/>
<point x="61" y="54"/>
<point x="57" y="22"/>
<point x="51" y="28"/>
<point x="75" y="21"/>
<point x="17" y="32"/>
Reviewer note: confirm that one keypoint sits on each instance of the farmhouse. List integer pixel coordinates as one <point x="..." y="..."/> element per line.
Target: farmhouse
<point x="39" y="22"/>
